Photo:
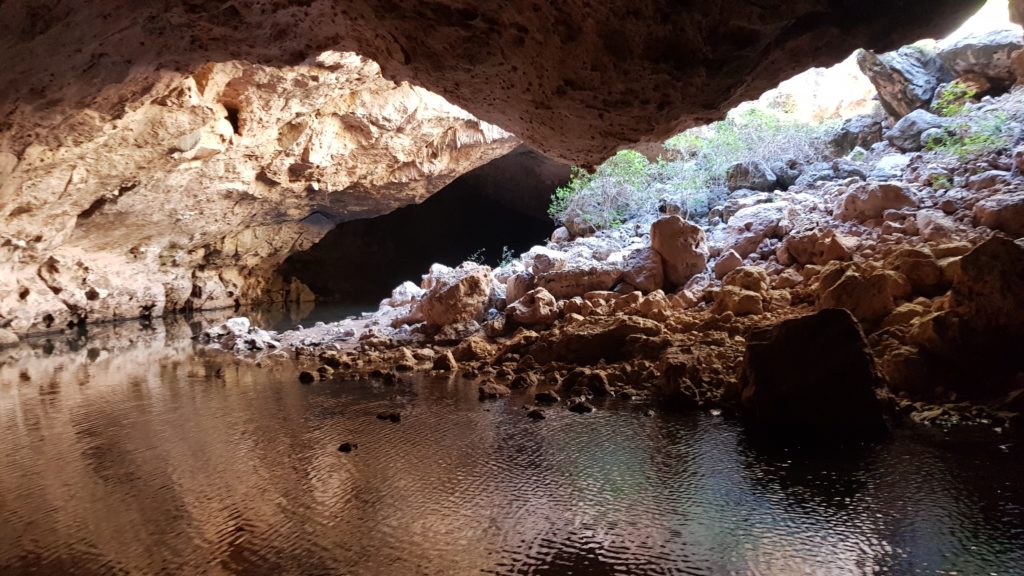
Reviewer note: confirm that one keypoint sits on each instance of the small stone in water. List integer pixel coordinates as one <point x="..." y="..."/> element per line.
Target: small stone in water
<point x="347" y="447"/>
<point x="392" y="416"/>
<point x="536" y="414"/>
<point x="306" y="377"/>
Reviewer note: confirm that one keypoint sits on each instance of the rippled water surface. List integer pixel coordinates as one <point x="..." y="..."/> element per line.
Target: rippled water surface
<point x="135" y="453"/>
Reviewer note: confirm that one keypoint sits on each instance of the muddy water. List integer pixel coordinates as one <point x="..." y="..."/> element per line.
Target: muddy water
<point x="132" y="452"/>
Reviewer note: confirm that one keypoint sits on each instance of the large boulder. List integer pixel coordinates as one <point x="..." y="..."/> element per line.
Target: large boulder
<point x="682" y="247"/>
<point x="906" y="79"/>
<point x="537" y="306"/>
<point x="984" y="53"/>
<point x="750" y="226"/>
<point x="460" y="296"/>
<point x="578" y="280"/>
<point x="811" y="380"/>
<point x="859" y="131"/>
<point x="644" y="270"/>
<point x="750" y="175"/>
<point x="906" y="134"/>
<point x="866" y="297"/>
<point x="989" y="290"/>
<point x="1004" y="212"/>
<point x="817" y="246"/>
<point x="869" y="200"/>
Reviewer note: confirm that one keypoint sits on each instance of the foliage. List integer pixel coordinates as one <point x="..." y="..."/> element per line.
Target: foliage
<point x="953" y="98"/>
<point x="974" y="137"/>
<point x="508" y="256"/>
<point x="628" y="185"/>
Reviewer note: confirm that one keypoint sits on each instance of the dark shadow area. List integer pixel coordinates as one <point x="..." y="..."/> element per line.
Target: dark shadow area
<point x="499" y="206"/>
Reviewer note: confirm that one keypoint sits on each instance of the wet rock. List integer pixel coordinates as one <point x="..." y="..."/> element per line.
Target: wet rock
<point x="682" y="248"/>
<point x="827" y="396"/>
<point x="580" y="406"/>
<point x="524" y="381"/>
<point x="1003" y="212"/>
<point x="474" y="348"/>
<point x="492" y="390"/>
<point x="750" y="175"/>
<point x="393" y="417"/>
<point x="644" y="270"/>
<point x="347" y="447"/>
<point x="7" y="338"/>
<point x="536" y="414"/>
<point x="307" y="377"/>
<point x="445" y="362"/>
<point x="547" y="397"/>
<point x="536" y="307"/>
<point x="457" y="331"/>
<point x="238" y="335"/>
<point x="868" y="201"/>
<point x="586" y="343"/>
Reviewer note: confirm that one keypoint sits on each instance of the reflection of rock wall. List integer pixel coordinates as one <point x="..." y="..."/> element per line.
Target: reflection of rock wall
<point x="174" y="190"/>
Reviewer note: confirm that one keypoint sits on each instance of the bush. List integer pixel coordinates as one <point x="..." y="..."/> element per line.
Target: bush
<point x="975" y="137"/>
<point x="953" y="98"/>
<point x="627" y="185"/>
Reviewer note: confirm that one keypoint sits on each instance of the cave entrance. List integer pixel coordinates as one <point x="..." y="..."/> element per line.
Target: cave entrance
<point x="498" y="207"/>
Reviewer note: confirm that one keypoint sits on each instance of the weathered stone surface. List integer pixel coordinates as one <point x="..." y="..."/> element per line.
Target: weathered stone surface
<point x="868" y="201"/>
<point x="984" y="53"/>
<point x="461" y="297"/>
<point x="815" y="246"/>
<point x="644" y="270"/>
<point x="537" y="306"/>
<point x="577" y="280"/>
<point x="1004" y="212"/>
<point x="177" y="190"/>
<point x="867" y="298"/>
<point x="826" y="396"/>
<point x="907" y="134"/>
<point x="750" y="226"/>
<point x="752" y="175"/>
<point x="906" y="79"/>
<point x="682" y="248"/>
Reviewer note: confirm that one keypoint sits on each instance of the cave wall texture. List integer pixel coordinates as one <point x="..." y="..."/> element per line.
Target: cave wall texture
<point x="159" y="155"/>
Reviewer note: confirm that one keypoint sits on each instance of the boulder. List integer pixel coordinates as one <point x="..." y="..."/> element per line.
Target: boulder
<point x="750" y="175"/>
<point x="726" y="263"/>
<point x="406" y="293"/>
<point x="816" y="172"/>
<point x="8" y="338"/>
<point x="920" y="268"/>
<point x="578" y="280"/>
<point x="445" y="362"/>
<point x="517" y="285"/>
<point x="866" y="297"/>
<point x="935" y="226"/>
<point x="989" y="290"/>
<point x="643" y="269"/>
<point x="750" y="226"/>
<point x="682" y="248"/>
<point x="752" y="278"/>
<point x="596" y="339"/>
<point x="537" y="306"/>
<point x="890" y="167"/>
<point x="815" y="246"/>
<point x="738" y="301"/>
<point x="859" y="131"/>
<point x="906" y="134"/>
<point x="1003" y="212"/>
<point x="988" y="179"/>
<point x="811" y="380"/>
<point x="540" y="260"/>
<point x="985" y="53"/>
<point x="787" y="172"/>
<point x="906" y="79"/>
<point x="459" y="296"/>
<point x="743" y="199"/>
<point x="869" y="200"/>
<point x="238" y="335"/>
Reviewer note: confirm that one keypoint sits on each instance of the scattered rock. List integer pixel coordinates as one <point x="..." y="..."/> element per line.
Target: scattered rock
<point x="547" y="397"/>
<point x="644" y="270"/>
<point x="537" y="306"/>
<point x="580" y="406"/>
<point x="906" y="134"/>
<point x="750" y="175"/>
<point x="869" y="200"/>
<point x="492" y="390"/>
<point x="682" y="248"/>
<point x="1003" y="212"/>
<point x="536" y="414"/>
<point x="445" y="362"/>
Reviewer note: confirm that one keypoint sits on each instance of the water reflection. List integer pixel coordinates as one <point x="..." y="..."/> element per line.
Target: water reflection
<point x="132" y="452"/>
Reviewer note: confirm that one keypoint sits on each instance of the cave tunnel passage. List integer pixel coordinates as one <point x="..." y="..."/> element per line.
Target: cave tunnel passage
<point x="502" y="204"/>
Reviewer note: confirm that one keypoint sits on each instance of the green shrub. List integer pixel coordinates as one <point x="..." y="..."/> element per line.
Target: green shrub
<point x="953" y="98"/>
<point x="976" y="136"/>
<point x="627" y="185"/>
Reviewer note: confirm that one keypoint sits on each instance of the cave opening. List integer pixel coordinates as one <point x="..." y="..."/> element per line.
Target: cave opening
<point x="488" y="214"/>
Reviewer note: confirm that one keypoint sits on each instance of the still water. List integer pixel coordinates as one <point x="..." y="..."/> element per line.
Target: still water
<point x="134" y="452"/>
